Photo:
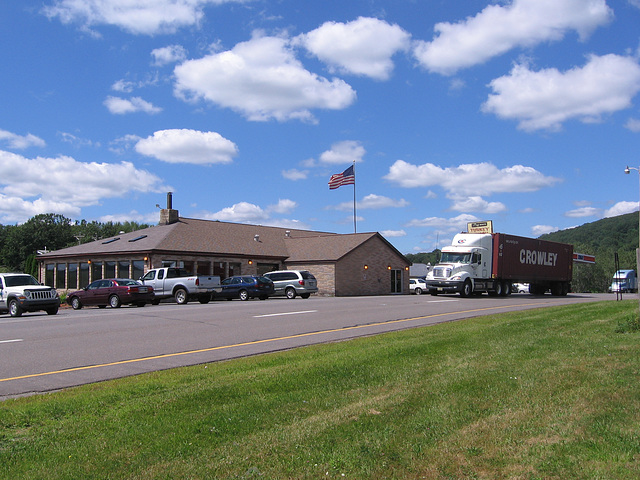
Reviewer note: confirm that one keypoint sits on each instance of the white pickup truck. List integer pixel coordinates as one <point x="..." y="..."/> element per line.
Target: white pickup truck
<point x="178" y="283"/>
<point x="21" y="292"/>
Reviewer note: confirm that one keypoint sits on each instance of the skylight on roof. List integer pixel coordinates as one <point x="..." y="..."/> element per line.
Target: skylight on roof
<point x="138" y="238"/>
<point x="111" y="240"/>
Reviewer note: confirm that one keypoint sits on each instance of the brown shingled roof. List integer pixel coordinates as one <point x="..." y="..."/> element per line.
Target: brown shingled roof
<point x="196" y="236"/>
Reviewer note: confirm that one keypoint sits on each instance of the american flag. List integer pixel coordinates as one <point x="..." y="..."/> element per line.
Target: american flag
<point x="348" y="177"/>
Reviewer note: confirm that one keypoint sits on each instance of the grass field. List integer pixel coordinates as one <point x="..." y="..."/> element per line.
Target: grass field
<point x="544" y="394"/>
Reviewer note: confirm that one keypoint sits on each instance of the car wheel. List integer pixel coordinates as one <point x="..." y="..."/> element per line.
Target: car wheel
<point x="14" y="308"/>
<point x="290" y="293"/>
<point x="114" y="301"/>
<point x="102" y="306"/>
<point x="263" y="297"/>
<point x="243" y="295"/>
<point x="204" y="298"/>
<point x="418" y="291"/>
<point x="140" y="304"/>
<point x="181" y="296"/>
<point x="305" y="295"/>
<point x="76" y="304"/>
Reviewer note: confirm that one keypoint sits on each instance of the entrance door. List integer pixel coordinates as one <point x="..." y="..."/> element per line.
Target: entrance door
<point x="396" y="281"/>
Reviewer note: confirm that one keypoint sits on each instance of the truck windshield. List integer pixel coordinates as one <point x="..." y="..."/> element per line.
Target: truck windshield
<point x="449" y="257"/>
<point x="20" y="280"/>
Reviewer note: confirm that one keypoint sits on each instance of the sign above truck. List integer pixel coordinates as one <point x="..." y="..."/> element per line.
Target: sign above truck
<point x="480" y="227"/>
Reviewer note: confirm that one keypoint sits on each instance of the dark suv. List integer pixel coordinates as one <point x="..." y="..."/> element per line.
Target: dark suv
<point x="293" y="282"/>
<point x="245" y="287"/>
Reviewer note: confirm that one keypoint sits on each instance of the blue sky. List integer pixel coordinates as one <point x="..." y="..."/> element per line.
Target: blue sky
<point x="524" y="112"/>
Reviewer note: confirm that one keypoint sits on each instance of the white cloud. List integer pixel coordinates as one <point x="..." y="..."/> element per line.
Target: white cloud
<point x="245" y="212"/>
<point x="242" y="212"/>
<point x="469" y="179"/>
<point x="295" y="174"/>
<point x="393" y="233"/>
<point x="145" y="17"/>
<point x="633" y="124"/>
<point x="583" y="212"/>
<point x="345" y="152"/>
<point x="458" y="223"/>
<point x="64" y="185"/>
<point x="261" y="79"/>
<point x="121" y="106"/>
<point x="546" y="99"/>
<point x="188" y="146"/>
<point x="170" y="54"/>
<point x="498" y="29"/>
<point x="538" y="230"/>
<point x="361" y="47"/>
<point x="373" y="202"/>
<point x="621" y="208"/>
<point x="283" y="206"/>
<point x="20" y="142"/>
<point x="475" y="203"/>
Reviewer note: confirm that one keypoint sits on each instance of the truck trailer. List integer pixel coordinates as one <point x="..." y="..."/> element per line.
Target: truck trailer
<point x="492" y="262"/>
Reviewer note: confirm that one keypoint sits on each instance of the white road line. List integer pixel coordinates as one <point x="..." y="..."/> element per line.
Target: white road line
<point x="285" y="313"/>
<point x="12" y="341"/>
<point x="441" y="301"/>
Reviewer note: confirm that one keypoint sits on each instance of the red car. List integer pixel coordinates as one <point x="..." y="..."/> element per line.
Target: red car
<point x="113" y="292"/>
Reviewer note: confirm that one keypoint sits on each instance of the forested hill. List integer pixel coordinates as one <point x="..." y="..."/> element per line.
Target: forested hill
<point x="603" y="238"/>
<point x="615" y="233"/>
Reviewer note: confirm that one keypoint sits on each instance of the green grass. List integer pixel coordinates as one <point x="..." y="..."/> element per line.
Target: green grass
<point x="543" y="394"/>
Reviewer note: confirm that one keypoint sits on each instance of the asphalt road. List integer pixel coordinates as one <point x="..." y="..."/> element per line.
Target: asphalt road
<point x="41" y="353"/>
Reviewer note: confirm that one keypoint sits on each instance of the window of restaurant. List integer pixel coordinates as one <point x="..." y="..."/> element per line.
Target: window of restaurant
<point x="109" y="269"/>
<point x="84" y="275"/>
<point x="49" y="273"/>
<point x="218" y="269"/>
<point x="123" y="268"/>
<point x="204" y="268"/>
<point x="60" y="274"/>
<point x="188" y="266"/>
<point x="138" y="269"/>
<point x="72" y="276"/>
<point x="234" y="269"/>
<point x="96" y="271"/>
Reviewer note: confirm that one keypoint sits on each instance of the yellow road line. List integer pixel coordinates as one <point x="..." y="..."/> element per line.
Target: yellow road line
<point x="255" y="342"/>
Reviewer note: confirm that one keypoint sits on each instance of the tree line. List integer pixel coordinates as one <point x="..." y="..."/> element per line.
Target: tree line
<point x="19" y="244"/>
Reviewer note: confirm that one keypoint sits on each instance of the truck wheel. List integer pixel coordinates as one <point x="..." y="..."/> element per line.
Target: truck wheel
<point x="76" y="304"/>
<point x="467" y="289"/>
<point x="52" y="310"/>
<point x="506" y="289"/>
<point x="556" y="289"/>
<point x="14" y="308"/>
<point x="181" y="296"/>
<point x="498" y="288"/>
<point x="114" y="301"/>
<point x="243" y="295"/>
<point x="290" y="293"/>
<point x="434" y="293"/>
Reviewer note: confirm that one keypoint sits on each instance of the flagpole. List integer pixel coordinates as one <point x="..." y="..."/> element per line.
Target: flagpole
<point x="355" y="230"/>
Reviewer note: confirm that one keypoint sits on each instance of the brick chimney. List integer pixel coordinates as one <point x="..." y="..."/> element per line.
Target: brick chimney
<point x="168" y="215"/>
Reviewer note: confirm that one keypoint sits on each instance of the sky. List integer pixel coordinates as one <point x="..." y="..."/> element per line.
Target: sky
<point x="523" y="112"/>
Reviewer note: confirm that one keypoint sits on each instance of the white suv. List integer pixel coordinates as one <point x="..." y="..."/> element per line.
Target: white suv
<point x="293" y="282"/>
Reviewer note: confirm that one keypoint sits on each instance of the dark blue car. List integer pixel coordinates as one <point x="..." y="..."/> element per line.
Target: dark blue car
<point x="245" y="287"/>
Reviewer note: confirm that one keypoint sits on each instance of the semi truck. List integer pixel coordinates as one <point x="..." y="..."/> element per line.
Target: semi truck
<point x="492" y="262"/>
<point x="624" y="281"/>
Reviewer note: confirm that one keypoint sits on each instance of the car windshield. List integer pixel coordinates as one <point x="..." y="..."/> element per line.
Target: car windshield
<point x="450" y="257"/>
<point x="19" y="280"/>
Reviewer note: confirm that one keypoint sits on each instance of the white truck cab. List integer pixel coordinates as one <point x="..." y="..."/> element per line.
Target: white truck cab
<point x="465" y="262"/>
